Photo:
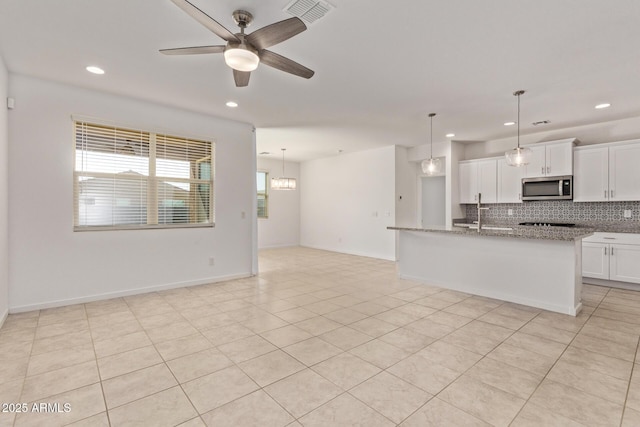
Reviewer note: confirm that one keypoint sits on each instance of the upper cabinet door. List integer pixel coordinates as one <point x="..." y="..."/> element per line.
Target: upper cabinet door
<point x="559" y="159"/>
<point x="487" y="181"/>
<point x="537" y="165"/>
<point x="591" y="175"/>
<point x="624" y="172"/>
<point x="468" y="173"/>
<point x="509" y="182"/>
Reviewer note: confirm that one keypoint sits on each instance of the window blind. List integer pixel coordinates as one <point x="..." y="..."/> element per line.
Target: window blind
<point x="127" y="178"/>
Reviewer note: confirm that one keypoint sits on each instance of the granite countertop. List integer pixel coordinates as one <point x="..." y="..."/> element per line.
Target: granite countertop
<point x="517" y="231"/>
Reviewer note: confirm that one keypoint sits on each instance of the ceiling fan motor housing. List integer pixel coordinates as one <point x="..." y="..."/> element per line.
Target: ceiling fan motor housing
<point x="242" y="18"/>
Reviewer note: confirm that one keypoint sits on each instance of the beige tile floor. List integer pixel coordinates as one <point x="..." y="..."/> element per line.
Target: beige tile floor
<point x="324" y="339"/>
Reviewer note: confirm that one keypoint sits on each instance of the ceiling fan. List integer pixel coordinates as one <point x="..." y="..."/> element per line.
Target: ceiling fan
<point x="243" y="52"/>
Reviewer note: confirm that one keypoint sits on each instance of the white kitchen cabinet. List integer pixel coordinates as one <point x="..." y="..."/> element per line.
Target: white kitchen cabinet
<point x="478" y="177"/>
<point x="607" y="172"/>
<point x="624" y="172"/>
<point x="595" y="260"/>
<point x="612" y="256"/>
<point x="591" y="174"/>
<point x="509" y="182"/>
<point x="551" y="159"/>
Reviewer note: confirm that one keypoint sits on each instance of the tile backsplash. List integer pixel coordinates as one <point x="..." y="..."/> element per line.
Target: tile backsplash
<point x="557" y="210"/>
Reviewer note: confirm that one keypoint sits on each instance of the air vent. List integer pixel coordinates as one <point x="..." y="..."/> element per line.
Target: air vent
<point x="541" y="122"/>
<point x="308" y="10"/>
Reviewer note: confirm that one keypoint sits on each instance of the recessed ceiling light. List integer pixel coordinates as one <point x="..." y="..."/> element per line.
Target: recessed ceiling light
<point x="601" y="106"/>
<point x="509" y="123"/>
<point x="95" y="70"/>
<point x="450" y="135"/>
<point x="232" y="104"/>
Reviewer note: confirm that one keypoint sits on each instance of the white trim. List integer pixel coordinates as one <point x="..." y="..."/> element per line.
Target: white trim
<point x="284" y="245"/>
<point x="4" y="317"/>
<point x="136" y="291"/>
<point x="611" y="283"/>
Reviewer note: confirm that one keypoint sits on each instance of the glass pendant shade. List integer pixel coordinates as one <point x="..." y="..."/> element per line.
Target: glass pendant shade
<point x="283" y="183"/>
<point x="241" y="59"/>
<point x="519" y="156"/>
<point x="431" y="166"/>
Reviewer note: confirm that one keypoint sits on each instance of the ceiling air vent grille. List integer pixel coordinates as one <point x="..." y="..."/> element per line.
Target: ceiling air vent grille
<point x="308" y="10"/>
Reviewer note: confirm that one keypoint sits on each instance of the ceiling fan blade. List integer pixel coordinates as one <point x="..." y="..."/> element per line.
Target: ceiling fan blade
<point x="285" y="64"/>
<point x="195" y="50"/>
<point x="213" y="25"/>
<point x="276" y="33"/>
<point x="241" y="78"/>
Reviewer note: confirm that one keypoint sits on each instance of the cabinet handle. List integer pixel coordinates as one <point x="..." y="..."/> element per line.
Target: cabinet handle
<point x="605" y="250"/>
<point x="611" y="250"/>
<point x="605" y="194"/>
<point x="548" y="169"/>
<point x="542" y="170"/>
<point x="519" y="196"/>
<point x="612" y="193"/>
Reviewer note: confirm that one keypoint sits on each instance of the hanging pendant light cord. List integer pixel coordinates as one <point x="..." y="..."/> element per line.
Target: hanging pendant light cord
<point x="283" y="149"/>
<point x="518" y="93"/>
<point x="431" y="117"/>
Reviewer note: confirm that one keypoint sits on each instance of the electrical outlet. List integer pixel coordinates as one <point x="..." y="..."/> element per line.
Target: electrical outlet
<point x="510" y="212"/>
<point x="627" y="213"/>
<point x="212" y="261"/>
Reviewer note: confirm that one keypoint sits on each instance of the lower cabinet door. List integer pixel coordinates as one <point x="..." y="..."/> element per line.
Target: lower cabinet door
<point x="624" y="263"/>
<point x="595" y="260"/>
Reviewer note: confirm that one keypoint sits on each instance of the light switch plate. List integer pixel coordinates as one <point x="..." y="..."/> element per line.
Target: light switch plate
<point x="627" y="213"/>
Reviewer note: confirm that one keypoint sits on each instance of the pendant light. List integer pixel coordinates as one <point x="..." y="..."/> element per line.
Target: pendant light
<point x="519" y="156"/>
<point x="431" y="166"/>
<point x="283" y="183"/>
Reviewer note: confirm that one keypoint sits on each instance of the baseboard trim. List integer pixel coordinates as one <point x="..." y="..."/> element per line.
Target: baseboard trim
<point x="356" y="253"/>
<point x="286" y="245"/>
<point x="3" y="317"/>
<point x="128" y="292"/>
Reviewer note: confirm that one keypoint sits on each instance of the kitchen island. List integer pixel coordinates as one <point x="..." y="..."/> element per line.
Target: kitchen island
<point x="535" y="266"/>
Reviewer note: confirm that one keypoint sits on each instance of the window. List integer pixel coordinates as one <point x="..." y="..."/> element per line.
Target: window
<point x="126" y="178"/>
<point x="263" y="196"/>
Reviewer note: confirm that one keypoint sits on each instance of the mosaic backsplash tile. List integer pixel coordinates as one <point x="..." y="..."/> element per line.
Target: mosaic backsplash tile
<point x="557" y="210"/>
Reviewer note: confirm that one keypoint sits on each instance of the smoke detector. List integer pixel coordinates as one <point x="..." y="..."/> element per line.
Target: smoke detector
<point x="308" y="10"/>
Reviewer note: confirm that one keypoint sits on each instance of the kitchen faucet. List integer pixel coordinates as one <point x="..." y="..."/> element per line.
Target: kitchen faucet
<point x="480" y="209"/>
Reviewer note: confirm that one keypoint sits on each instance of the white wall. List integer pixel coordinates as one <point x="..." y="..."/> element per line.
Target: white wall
<point x="347" y="201"/>
<point x="53" y="265"/>
<point x="282" y="228"/>
<point x="4" y="194"/>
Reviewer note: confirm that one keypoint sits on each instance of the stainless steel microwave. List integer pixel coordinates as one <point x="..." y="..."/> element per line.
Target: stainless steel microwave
<point x="548" y="188"/>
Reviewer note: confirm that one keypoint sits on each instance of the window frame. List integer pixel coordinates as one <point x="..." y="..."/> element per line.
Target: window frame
<point x="153" y="180"/>
<point x="266" y="195"/>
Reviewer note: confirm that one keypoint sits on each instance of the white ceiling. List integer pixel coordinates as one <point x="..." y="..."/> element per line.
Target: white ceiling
<point x="381" y="66"/>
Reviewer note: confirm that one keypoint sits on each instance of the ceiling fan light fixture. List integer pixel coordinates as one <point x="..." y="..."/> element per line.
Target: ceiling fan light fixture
<point x="240" y="58"/>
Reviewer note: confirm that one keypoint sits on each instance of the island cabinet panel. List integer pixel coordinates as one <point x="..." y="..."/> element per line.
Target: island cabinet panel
<point x="478" y="177"/>
<point x="551" y="159"/>
<point x="607" y="173"/>
<point x="611" y="256"/>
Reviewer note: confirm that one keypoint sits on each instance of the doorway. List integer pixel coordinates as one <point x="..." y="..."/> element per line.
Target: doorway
<point x="433" y="201"/>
